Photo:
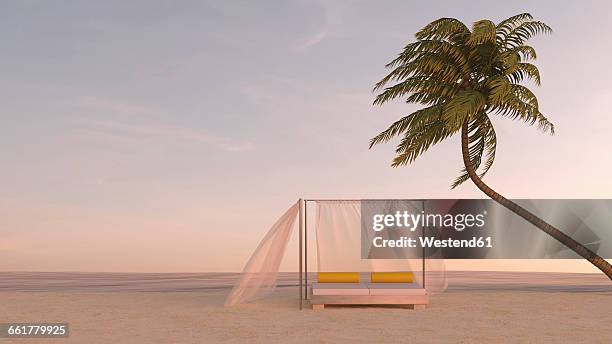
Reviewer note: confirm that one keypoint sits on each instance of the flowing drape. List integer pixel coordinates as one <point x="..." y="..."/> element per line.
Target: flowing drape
<point x="259" y="276"/>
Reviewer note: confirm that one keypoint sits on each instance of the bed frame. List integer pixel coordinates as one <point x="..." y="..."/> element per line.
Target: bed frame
<point x="415" y="300"/>
<point x="399" y="294"/>
<point x="319" y="302"/>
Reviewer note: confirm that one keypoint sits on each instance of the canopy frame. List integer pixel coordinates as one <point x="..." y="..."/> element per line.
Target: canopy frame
<point x="303" y="239"/>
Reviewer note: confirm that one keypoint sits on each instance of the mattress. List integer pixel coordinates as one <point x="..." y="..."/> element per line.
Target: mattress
<point x="346" y="289"/>
<point x="395" y="289"/>
<point x="340" y="289"/>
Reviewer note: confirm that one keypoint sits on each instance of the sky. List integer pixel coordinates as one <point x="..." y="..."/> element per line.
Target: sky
<point x="168" y="136"/>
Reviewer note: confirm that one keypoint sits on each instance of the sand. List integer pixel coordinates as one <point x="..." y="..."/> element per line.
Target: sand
<point x="482" y="307"/>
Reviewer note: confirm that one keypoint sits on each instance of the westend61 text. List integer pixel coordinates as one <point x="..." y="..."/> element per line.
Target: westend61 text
<point x="402" y="242"/>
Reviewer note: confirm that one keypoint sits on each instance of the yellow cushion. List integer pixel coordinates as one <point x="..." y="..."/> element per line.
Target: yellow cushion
<point x="392" y="277"/>
<point x="338" y="277"/>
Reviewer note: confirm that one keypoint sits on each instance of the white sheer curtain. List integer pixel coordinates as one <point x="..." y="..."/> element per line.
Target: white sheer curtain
<point x="338" y="229"/>
<point x="260" y="274"/>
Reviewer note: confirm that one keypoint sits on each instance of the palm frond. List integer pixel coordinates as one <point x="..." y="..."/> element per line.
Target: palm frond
<point x="525" y="31"/>
<point x="520" y="103"/>
<point x="497" y="89"/>
<point x="525" y="52"/>
<point x="418" y="141"/>
<point x="443" y="29"/>
<point x="461" y="107"/>
<point x="530" y="71"/>
<point x="505" y="26"/>
<point x="482" y="142"/>
<point x="414" y="50"/>
<point x="483" y="31"/>
<point x="415" y="120"/>
<point x="430" y="66"/>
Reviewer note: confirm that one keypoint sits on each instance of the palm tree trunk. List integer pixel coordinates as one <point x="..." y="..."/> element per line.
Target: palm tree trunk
<point x="584" y="252"/>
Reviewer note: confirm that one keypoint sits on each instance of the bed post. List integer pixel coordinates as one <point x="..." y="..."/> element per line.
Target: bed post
<point x="423" y="236"/>
<point x="300" y="247"/>
<point x="305" y="249"/>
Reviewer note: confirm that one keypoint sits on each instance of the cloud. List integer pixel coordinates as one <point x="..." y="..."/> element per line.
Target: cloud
<point x="311" y="41"/>
<point x="125" y="123"/>
<point x="124" y="131"/>
<point x="108" y="105"/>
<point x="333" y="14"/>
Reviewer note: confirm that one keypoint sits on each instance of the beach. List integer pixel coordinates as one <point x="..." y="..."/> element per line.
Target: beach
<point x="478" y="307"/>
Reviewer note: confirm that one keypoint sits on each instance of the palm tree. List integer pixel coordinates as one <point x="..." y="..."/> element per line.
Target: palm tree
<point x="462" y="78"/>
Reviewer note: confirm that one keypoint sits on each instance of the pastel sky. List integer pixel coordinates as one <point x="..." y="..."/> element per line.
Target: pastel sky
<point x="169" y="136"/>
